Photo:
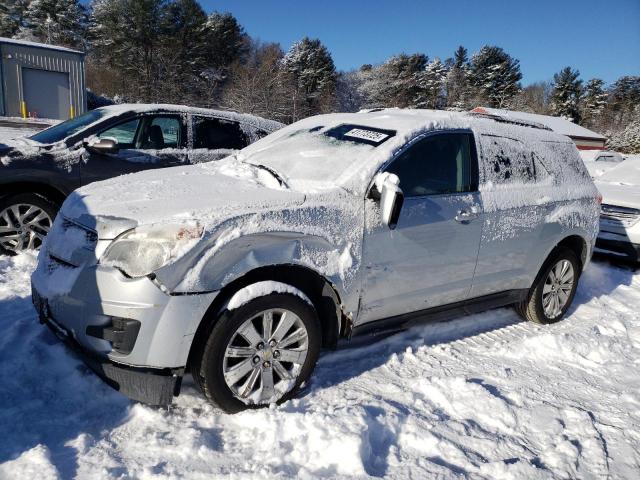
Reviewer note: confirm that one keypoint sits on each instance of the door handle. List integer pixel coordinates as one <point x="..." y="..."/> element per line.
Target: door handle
<point x="465" y="216"/>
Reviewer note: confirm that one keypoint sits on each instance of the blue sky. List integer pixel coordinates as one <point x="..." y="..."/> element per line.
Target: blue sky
<point x="601" y="38"/>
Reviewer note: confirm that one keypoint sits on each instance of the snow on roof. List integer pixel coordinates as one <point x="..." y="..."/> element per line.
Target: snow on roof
<point x="26" y="43"/>
<point x="557" y="124"/>
<point x="268" y="125"/>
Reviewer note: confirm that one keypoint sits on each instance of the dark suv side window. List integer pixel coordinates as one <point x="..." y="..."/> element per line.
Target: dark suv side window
<point x="438" y="164"/>
<point x="215" y="133"/>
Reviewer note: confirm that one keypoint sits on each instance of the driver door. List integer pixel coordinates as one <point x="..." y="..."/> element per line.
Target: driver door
<point x="430" y="257"/>
<point x="143" y="142"/>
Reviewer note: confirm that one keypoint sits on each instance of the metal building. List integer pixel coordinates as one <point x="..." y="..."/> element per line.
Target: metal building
<point x="41" y="81"/>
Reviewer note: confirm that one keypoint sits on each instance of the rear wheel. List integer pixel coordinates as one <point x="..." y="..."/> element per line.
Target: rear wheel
<point x="259" y="353"/>
<point x="554" y="288"/>
<point x="25" y="219"/>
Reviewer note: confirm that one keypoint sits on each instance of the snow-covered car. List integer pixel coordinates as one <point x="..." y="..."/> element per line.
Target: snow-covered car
<point x="38" y="172"/>
<point x="599" y="162"/>
<point x="620" y="216"/>
<point x="239" y="271"/>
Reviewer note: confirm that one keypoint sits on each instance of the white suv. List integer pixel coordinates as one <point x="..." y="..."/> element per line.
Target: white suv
<point x="239" y="271"/>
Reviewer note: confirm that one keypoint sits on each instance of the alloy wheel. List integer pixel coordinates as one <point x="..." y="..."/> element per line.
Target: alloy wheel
<point x="557" y="288"/>
<point x="265" y="356"/>
<point x="23" y="227"/>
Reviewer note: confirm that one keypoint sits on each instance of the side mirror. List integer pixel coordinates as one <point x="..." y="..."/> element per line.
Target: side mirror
<point x="391" y="198"/>
<point x="104" y="145"/>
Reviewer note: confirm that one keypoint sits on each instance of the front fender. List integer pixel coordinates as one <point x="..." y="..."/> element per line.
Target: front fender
<point x="324" y="239"/>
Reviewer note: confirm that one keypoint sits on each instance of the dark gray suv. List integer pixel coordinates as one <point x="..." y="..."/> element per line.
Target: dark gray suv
<point x="37" y="173"/>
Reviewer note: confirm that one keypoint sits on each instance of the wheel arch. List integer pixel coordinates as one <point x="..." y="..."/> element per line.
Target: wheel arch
<point x="320" y="290"/>
<point x="47" y="191"/>
<point x="578" y="245"/>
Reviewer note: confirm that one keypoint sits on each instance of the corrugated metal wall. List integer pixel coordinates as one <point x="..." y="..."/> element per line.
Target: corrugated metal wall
<point x="15" y="57"/>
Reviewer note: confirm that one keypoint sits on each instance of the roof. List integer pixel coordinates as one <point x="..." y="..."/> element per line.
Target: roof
<point x="557" y="124"/>
<point x="268" y="125"/>
<point x="26" y="43"/>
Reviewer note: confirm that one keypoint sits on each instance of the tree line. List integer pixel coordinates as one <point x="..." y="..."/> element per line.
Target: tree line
<point x="173" y="51"/>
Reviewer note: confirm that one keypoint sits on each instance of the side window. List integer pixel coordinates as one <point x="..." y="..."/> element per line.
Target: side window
<point x="123" y="133"/>
<point x="160" y="132"/>
<point x="216" y="133"/>
<point x="438" y="164"/>
<point x="508" y="160"/>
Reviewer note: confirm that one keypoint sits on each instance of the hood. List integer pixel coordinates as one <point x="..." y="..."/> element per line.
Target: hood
<point x="621" y="185"/>
<point x="209" y="193"/>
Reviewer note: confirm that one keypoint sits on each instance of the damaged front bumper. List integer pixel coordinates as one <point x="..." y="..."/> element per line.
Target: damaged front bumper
<point x="130" y="332"/>
<point x="153" y="386"/>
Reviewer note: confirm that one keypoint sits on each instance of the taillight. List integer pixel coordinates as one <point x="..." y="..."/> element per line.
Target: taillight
<point x="599" y="198"/>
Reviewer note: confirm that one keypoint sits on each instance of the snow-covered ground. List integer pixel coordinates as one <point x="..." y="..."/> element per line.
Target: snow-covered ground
<point x="486" y="396"/>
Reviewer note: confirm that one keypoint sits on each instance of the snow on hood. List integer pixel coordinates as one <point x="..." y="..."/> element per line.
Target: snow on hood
<point x="209" y="193"/>
<point x="621" y="185"/>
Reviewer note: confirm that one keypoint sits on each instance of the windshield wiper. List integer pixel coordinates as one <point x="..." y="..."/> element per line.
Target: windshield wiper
<point x="272" y="172"/>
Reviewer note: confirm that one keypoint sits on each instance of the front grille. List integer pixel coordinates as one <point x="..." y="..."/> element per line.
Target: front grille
<point x="621" y="216"/>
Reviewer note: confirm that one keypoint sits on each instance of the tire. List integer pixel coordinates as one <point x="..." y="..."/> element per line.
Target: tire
<point x="34" y="232"/>
<point x="535" y="308"/>
<point x="234" y="393"/>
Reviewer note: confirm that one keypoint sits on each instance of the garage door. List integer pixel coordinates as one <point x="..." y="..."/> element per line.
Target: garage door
<point x="46" y="93"/>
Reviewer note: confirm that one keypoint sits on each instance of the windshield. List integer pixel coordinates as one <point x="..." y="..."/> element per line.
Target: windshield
<point x="65" y="129"/>
<point x="317" y="156"/>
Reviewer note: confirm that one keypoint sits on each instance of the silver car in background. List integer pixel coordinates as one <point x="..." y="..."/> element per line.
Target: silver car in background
<point x="240" y="271"/>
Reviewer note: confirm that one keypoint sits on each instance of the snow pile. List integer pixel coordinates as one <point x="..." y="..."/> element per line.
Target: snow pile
<point x="485" y="396"/>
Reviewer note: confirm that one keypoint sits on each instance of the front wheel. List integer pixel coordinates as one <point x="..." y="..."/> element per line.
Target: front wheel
<point x="25" y="219"/>
<point x="259" y="353"/>
<point x="554" y="288"/>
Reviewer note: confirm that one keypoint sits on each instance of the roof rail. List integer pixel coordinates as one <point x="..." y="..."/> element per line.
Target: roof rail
<point x="513" y="121"/>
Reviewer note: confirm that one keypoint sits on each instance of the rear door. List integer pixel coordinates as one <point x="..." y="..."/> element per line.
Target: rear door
<point x="144" y="142"/>
<point x="516" y="205"/>
<point x="216" y="138"/>
<point x="430" y="257"/>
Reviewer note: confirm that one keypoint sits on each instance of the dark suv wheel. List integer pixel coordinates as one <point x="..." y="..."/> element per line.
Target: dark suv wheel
<point x="554" y="288"/>
<point x="25" y="219"/>
<point x="259" y="353"/>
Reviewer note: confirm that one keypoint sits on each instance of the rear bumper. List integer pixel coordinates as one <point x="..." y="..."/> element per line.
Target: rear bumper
<point x="147" y="385"/>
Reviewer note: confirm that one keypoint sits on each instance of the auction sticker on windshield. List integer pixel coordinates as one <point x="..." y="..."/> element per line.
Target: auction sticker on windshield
<point x="376" y="137"/>
<point x="360" y="134"/>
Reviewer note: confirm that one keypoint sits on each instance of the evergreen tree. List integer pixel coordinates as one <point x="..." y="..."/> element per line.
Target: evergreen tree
<point x="395" y="82"/>
<point x="313" y="76"/>
<point x="57" y="22"/>
<point x="126" y="36"/>
<point x="457" y="82"/>
<point x="593" y="102"/>
<point x="627" y="140"/>
<point x="431" y="84"/>
<point x="567" y="91"/>
<point x="182" y="54"/>
<point x="494" y="76"/>
<point x="224" y="42"/>
<point x="12" y="13"/>
<point x="460" y="58"/>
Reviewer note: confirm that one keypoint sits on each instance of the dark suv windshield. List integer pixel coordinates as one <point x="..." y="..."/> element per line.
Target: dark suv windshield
<point x="63" y="130"/>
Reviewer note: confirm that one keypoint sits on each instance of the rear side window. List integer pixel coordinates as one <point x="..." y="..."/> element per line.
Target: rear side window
<point x="215" y="133"/>
<point x="511" y="161"/>
<point x="438" y="164"/>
